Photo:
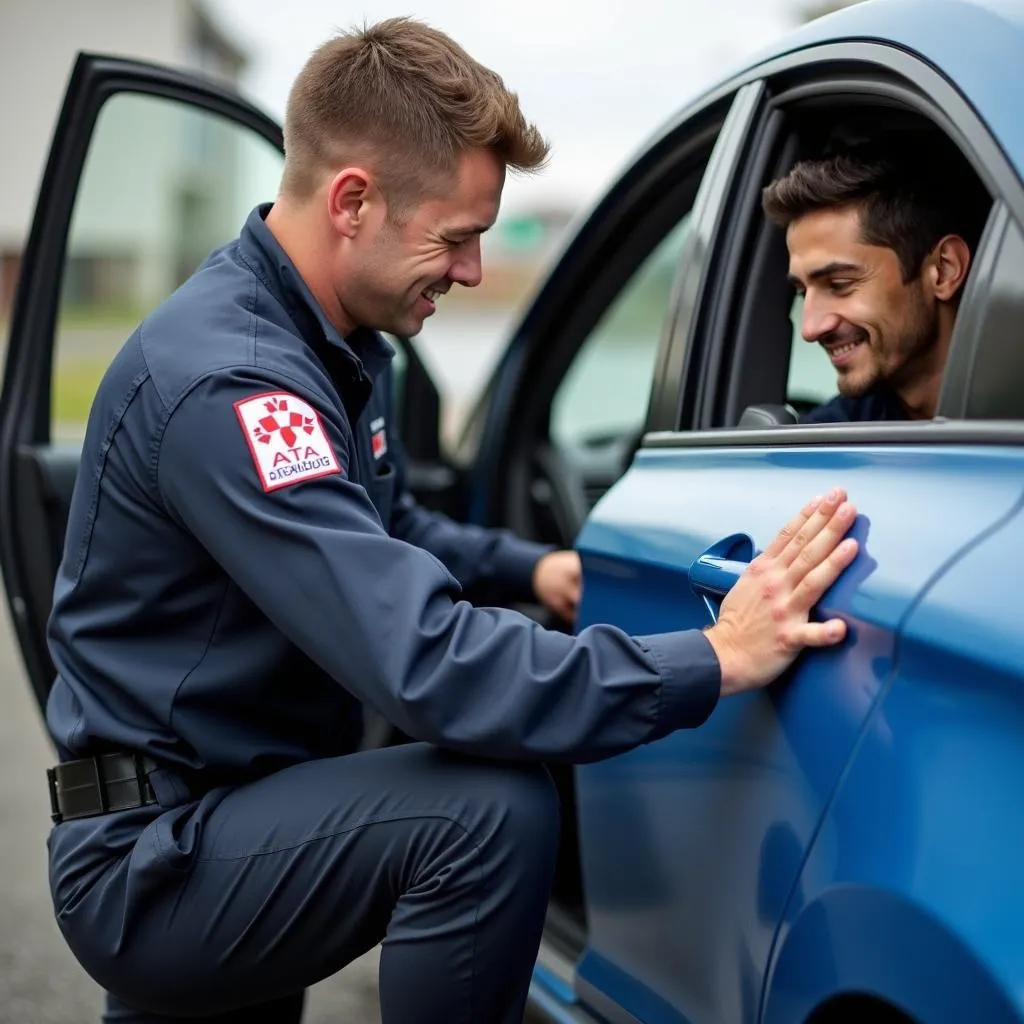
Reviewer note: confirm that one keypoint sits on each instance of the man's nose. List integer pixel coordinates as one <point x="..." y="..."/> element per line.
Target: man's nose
<point x="817" y="323"/>
<point x="467" y="269"/>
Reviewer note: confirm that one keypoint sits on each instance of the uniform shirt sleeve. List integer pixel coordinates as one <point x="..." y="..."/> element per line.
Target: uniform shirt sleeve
<point x="472" y="554"/>
<point x="382" y="616"/>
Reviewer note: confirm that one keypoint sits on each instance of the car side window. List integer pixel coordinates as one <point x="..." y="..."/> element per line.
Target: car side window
<point x="812" y="378"/>
<point x="163" y="185"/>
<point x="603" y="396"/>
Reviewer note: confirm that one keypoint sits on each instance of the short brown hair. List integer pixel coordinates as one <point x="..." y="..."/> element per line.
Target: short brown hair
<point x="408" y="99"/>
<point x="909" y="198"/>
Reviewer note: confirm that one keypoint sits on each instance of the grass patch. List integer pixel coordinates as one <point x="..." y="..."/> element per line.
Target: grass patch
<point x="74" y="387"/>
<point x="122" y="317"/>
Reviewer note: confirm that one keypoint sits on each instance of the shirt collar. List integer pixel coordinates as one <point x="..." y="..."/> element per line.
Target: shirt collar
<point x="885" y="404"/>
<point x="366" y="346"/>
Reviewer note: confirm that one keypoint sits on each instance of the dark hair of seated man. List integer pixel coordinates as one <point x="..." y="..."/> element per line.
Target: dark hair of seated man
<point x="880" y="241"/>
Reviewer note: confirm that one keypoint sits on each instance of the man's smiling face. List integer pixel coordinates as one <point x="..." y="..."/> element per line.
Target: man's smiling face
<point x="875" y="326"/>
<point x="400" y="270"/>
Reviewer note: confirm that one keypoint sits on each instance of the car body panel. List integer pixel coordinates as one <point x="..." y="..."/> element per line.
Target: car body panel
<point x="915" y="884"/>
<point x="692" y="845"/>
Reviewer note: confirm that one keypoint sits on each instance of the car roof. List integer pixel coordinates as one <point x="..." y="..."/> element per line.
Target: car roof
<point x="976" y="44"/>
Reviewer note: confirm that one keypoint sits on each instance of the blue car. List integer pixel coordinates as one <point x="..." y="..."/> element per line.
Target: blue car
<point x="845" y="846"/>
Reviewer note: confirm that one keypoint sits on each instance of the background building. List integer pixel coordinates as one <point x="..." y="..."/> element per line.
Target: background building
<point x="125" y="247"/>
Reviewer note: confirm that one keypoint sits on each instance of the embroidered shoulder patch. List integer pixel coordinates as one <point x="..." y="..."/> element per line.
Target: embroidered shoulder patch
<point x="287" y="439"/>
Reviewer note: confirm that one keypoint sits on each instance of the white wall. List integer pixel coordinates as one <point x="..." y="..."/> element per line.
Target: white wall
<point x="38" y="42"/>
<point x="147" y="153"/>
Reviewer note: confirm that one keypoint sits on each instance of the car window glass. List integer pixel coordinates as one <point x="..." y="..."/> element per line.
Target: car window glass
<point x="163" y="185"/>
<point x="812" y="378"/>
<point x="603" y="397"/>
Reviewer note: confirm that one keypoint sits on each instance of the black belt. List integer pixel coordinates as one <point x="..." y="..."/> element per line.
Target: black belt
<point x="99" y="785"/>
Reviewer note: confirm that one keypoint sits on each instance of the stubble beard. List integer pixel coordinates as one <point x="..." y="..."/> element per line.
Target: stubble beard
<point x="896" y="357"/>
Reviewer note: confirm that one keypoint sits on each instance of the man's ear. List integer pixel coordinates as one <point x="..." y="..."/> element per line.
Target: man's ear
<point x="947" y="267"/>
<point x="348" y="197"/>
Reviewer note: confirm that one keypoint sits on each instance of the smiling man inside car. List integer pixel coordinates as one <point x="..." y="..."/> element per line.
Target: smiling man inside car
<point x="880" y="242"/>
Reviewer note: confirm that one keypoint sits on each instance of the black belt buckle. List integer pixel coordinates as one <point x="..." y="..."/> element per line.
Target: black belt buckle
<point x="97" y="785"/>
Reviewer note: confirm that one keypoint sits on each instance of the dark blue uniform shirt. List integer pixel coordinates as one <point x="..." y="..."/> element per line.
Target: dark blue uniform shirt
<point x="877" y="404"/>
<point x="244" y="565"/>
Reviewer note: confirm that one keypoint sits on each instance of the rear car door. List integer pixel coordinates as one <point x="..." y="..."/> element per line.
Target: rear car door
<point x="149" y="170"/>
<point x="692" y="848"/>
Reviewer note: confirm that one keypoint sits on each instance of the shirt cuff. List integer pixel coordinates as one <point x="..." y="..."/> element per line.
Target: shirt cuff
<point x="515" y="563"/>
<point x="691" y="679"/>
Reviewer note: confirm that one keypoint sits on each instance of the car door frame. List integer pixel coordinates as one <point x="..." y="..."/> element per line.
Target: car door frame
<point x="701" y="346"/>
<point x="25" y="400"/>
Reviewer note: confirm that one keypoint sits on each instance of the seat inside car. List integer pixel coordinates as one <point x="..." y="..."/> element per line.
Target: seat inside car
<point x="767" y="414"/>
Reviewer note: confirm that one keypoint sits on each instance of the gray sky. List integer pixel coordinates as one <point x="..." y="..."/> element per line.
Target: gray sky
<point x="597" y="76"/>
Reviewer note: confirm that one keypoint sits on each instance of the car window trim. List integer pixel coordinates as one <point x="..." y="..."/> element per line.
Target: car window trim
<point x="923" y="432"/>
<point x="987" y="345"/>
<point x="679" y="359"/>
<point x="954" y="396"/>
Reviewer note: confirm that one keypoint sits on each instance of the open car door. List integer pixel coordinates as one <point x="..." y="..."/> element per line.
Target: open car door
<point x="149" y="170"/>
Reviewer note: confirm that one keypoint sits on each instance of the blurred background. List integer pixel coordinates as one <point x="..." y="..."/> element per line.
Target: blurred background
<point x="165" y="184"/>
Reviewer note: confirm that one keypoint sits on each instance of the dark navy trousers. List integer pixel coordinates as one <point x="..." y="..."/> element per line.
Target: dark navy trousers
<point x="227" y="911"/>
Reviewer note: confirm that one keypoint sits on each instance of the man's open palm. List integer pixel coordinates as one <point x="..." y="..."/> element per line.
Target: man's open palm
<point x="763" y="623"/>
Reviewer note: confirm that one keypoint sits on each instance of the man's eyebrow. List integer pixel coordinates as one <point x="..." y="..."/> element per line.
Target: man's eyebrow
<point x="829" y="270"/>
<point x="470" y="229"/>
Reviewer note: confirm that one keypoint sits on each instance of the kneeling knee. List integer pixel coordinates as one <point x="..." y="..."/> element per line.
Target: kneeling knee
<point x="526" y="810"/>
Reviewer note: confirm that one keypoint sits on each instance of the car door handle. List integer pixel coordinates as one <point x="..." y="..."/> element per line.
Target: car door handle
<point x="710" y="575"/>
<point x="713" y="574"/>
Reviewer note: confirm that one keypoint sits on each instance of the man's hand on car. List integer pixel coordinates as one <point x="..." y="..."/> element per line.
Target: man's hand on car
<point x="763" y="622"/>
<point x="557" y="583"/>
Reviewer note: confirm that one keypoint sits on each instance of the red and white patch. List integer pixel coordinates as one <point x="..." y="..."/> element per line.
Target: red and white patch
<point x="378" y="438"/>
<point x="286" y="438"/>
